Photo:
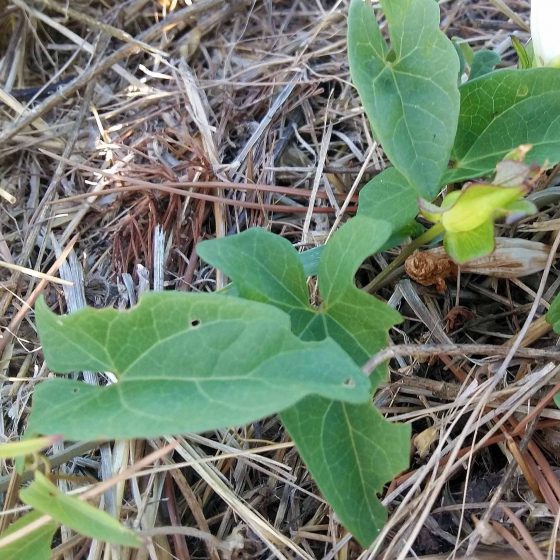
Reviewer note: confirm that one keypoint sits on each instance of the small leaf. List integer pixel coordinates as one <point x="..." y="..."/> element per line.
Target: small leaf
<point x="525" y="58"/>
<point x="408" y="88"/>
<point x="553" y="318"/>
<point x="184" y="363"/>
<point x="484" y="62"/>
<point x="389" y="197"/>
<point x="256" y="261"/>
<point x="553" y="314"/>
<point x="72" y="512"/>
<point x="280" y="269"/>
<point x="35" y="545"/>
<point x="501" y="111"/>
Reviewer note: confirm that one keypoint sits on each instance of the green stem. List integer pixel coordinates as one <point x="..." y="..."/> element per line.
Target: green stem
<point x="429" y="235"/>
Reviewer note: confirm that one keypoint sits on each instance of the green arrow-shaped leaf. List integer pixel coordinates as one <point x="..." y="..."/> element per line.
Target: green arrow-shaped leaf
<point x="184" y="363"/>
<point x="409" y="87"/>
<point x="350" y="450"/>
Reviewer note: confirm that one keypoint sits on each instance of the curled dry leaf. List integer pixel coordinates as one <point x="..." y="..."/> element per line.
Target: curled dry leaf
<point x="424" y="440"/>
<point x="430" y="269"/>
<point x="488" y="535"/>
<point x="457" y="316"/>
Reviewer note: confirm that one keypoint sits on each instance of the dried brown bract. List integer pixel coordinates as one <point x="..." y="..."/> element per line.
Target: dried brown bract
<point x="457" y="316"/>
<point x="430" y="269"/>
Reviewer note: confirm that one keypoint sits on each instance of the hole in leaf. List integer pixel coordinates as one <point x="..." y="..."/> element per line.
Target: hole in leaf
<point x="349" y="383"/>
<point x="391" y="56"/>
<point x="75" y="390"/>
<point x="195" y="323"/>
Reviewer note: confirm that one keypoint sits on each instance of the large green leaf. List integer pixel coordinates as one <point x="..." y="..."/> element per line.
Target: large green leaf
<point x="72" y="512"/>
<point x="33" y="546"/>
<point x="408" y="88"/>
<point x="184" y="363"/>
<point x="350" y="450"/>
<point x="255" y="260"/>
<point x="502" y="110"/>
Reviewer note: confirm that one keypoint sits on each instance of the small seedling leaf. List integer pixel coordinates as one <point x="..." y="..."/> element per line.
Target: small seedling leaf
<point x="35" y="545"/>
<point x="72" y="512"/>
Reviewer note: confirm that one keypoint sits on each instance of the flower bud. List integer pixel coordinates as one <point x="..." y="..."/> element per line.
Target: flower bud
<point x="545" y="25"/>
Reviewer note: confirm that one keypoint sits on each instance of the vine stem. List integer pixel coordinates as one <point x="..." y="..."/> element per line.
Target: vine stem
<point x="429" y="235"/>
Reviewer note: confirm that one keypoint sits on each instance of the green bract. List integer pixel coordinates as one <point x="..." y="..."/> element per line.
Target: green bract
<point x="467" y="217"/>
